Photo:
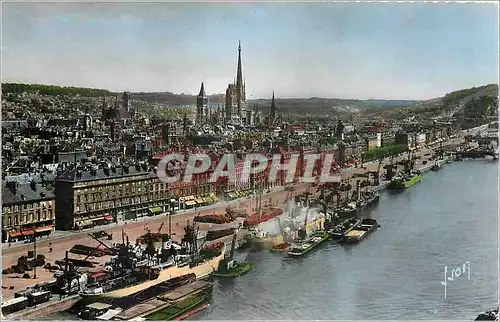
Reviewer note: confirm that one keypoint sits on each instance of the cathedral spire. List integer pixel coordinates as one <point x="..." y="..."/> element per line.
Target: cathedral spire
<point x="239" y="75"/>
<point x="202" y="90"/>
<point x="273" y="110"/>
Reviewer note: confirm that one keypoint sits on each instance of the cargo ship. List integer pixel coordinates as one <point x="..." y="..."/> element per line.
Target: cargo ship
<point x="309" y="244"/>
<point x="216" y="234"/>
<point x="355" y="235"/>
<point x="349" y="209"/>
<point x="138" y="268"/>
<point x="358" y="202"/>
<point x="405" y="181"/>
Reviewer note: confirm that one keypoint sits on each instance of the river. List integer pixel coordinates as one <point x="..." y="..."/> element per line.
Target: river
<point x="451" y="217"/>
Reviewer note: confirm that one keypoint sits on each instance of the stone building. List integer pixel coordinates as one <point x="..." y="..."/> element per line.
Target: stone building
<point x="28" y="210"/>
<point x="111" y="193"/>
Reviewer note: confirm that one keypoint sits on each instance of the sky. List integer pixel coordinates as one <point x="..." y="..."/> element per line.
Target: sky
<point x="336" y="50"/>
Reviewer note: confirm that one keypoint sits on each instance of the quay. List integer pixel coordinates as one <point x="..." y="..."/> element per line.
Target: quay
<point x="45" y="309"/>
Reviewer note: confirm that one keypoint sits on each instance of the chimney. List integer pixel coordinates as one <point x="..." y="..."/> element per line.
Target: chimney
<point x="33" y="185"/>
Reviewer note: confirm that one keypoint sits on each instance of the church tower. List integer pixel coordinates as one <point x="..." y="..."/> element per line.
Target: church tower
<point x="240" y="87"/>
<point x="201" y="106"/>
<point x="272" y="114"/>
<point x="236" y="103"/>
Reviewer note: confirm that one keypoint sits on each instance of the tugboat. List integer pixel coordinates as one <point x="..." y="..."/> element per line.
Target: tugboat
<point x="309" y="244"/>
<point x="339" y="231"/>
<point x="231" y="268"/>
<point x="367" y="226"/>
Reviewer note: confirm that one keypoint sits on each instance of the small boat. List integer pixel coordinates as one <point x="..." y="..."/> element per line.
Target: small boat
<point x="233" y="269"/>
<point x="344" y="227"/>
<point x="367" y="226"/>
<point x="309" y="244"/>
<point x="93" y="311"/>
<point x="280" y="248"/>
<point x="436" y="166"/>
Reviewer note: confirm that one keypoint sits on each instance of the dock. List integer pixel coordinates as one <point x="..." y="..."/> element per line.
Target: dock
<point x="163" y="301"/>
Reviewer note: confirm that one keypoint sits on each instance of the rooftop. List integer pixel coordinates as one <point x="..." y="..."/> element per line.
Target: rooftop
<point x="13" y="192"/>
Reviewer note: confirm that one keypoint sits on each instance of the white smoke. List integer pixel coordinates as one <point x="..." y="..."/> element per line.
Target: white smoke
<point x="292" y="219"/>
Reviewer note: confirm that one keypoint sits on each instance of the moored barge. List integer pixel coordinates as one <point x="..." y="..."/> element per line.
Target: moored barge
<point x="367" y="226"/>
<point x="170" y="305"/>
<point x="340" y="230"/>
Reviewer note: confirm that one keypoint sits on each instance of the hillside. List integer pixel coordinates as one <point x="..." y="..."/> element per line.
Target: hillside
<point x="316" y="106"/>
<point x="173" y="99"/>
<point x="476" y="102"/>
<point x="18" y="88"/>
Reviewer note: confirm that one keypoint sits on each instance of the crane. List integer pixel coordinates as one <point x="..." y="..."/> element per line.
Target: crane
<point x="161" y="226"/>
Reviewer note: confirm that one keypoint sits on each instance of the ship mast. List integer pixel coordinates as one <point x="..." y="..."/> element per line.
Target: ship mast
<point x="358" y="189"/>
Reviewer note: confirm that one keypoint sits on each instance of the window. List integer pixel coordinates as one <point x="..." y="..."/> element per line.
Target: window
<point x="10" y="221"/>
<point x="39" y="216"/>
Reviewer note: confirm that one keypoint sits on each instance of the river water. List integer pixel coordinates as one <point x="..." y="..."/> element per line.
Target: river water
<point x="448" y="219"/>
